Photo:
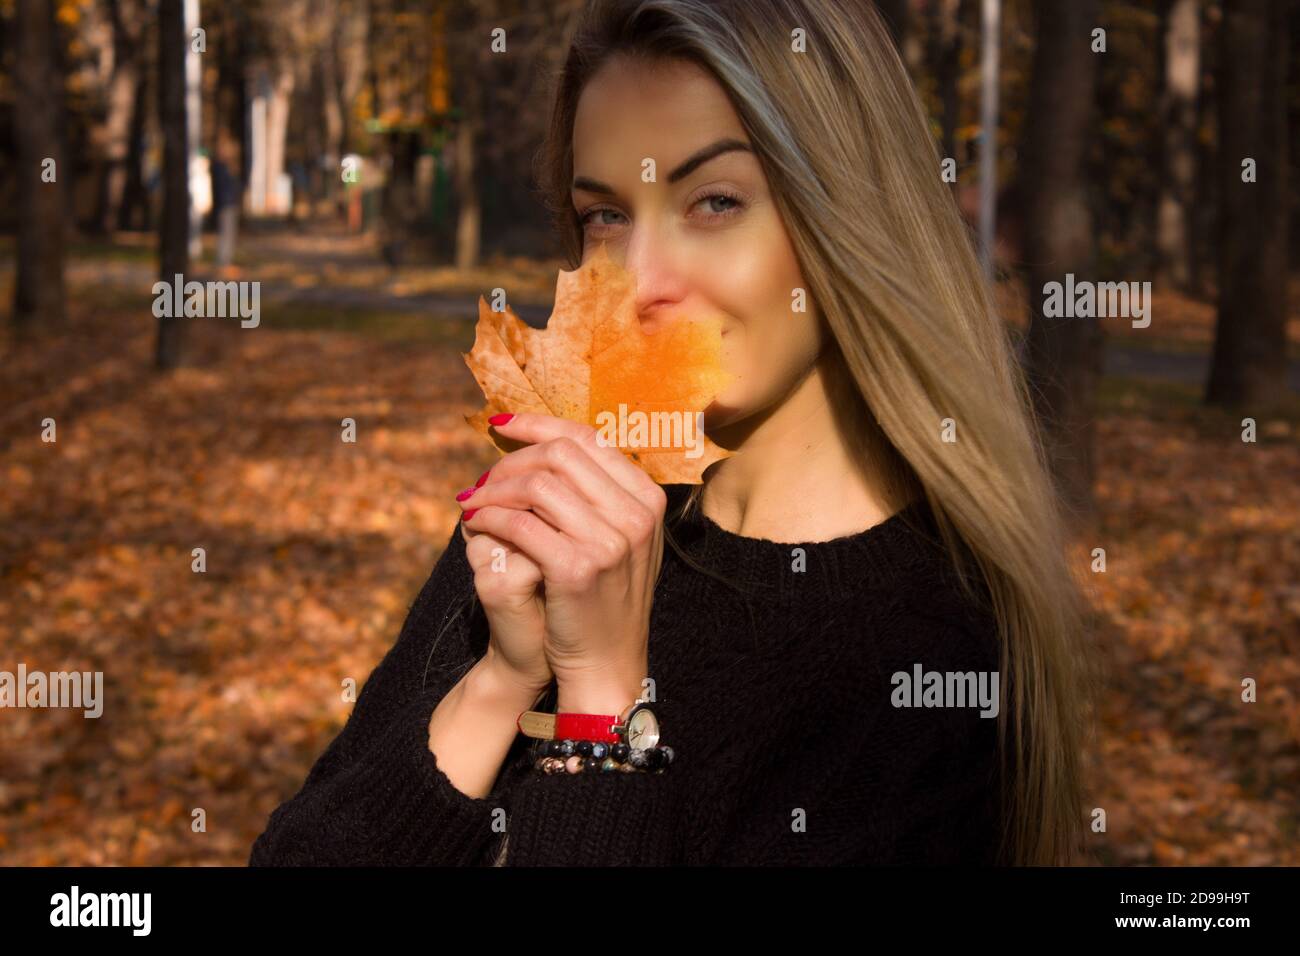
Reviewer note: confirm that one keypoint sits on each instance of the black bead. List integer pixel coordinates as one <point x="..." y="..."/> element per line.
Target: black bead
<point x="669" y="754"/>
<point x="619" y="752"/>
<point x="654" y="758"/>
<point x="584" y="748"/>
<point x="550" y="748"/>
<point x="566" y="748"/>
<point x="591" y="764"/>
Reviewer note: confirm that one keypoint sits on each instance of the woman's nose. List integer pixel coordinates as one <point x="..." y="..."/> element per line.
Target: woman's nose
<point x="660" y="285"/>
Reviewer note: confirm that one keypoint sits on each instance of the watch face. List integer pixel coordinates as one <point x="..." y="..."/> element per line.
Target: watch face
<point x="642" y="730"/>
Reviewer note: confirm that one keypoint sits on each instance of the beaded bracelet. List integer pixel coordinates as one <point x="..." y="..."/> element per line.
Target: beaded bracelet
<point x="577" y="756"/>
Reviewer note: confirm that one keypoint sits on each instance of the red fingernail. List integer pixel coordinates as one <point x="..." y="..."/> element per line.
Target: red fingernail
<point x="468" y="514"/>
<point x="482" y="478"/>
<point x="501" y="419"/>
<point x="466" y="493"/>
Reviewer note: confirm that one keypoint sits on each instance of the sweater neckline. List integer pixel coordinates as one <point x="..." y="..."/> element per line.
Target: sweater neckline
<point x="878" y="557"/>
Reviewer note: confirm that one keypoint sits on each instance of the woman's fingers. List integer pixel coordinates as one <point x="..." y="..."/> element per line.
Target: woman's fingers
<point x="571" y="459"/>
<point x="568" y="464"/>
<point x="504" y="577"/>
<point x="567" y="461"/>
<point x="554" y="553"/>
<point x="487" y="553"/>
<point x="548" y="430"/>
<point x="551" y="497"/>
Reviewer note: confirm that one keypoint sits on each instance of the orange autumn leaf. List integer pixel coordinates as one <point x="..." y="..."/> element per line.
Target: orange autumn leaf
<point x="593" y="363"/>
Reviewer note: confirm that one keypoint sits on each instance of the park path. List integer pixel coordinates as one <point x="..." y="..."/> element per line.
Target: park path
<point x="324" y="267"/>
<point x="320" y="265"/>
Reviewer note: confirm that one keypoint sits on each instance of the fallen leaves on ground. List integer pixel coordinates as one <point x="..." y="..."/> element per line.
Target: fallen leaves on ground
<point x="220" y="687"/>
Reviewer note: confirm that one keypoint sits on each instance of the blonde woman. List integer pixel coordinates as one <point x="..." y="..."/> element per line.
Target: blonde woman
<point x="858" y="645"/>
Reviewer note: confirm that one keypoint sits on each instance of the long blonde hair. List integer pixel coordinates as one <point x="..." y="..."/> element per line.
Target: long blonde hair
<point x="846" y="148"/>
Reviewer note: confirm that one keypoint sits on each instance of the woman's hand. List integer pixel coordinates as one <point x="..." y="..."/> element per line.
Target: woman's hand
<point x="591" y="523"/>
<point x="506" y="582"/>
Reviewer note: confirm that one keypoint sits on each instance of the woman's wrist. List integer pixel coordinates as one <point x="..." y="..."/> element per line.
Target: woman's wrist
<point x="593" y="700"/>
<point x="604" y="692"/>
<point x="473" y="727"/>
<point x="491" y="680"/>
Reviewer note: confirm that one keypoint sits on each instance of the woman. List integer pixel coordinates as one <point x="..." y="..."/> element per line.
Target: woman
<point x="884" y="516"/>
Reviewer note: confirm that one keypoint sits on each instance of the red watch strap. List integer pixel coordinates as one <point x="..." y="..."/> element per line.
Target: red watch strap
<point x="586" y="727"/>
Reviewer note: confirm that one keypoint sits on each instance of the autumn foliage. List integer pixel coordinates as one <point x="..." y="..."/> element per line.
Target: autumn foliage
<point x="594" y="358"/>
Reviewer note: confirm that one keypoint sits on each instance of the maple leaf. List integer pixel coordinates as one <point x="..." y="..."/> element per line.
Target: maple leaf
<point x="593" y="363"/>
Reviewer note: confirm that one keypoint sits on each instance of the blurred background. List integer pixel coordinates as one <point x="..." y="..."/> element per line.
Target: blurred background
<point x="369" y="164"/>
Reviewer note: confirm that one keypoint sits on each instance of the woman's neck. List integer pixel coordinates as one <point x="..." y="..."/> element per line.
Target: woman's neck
<point x="792" y="476"/>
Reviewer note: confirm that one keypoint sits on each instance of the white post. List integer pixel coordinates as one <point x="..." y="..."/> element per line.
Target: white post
<point x="991" y="28"/>
<point x="257" y="99"/>
<point x="193" y="123"/>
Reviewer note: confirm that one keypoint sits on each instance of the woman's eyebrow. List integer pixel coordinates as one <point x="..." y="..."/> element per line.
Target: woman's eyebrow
<point x="702" y="156"/>
<point x="592" y="186"/>
<point x="693" y="162"/>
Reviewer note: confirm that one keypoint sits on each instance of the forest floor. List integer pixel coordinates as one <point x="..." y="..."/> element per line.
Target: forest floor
<point x="221" y="688"/>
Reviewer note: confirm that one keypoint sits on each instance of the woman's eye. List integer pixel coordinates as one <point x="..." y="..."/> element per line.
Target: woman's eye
<point x="595" y="217"/>
<point x="719" y="204"/>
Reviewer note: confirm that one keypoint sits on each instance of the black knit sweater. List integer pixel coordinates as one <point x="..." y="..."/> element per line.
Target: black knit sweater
<point x="778" y="701"/>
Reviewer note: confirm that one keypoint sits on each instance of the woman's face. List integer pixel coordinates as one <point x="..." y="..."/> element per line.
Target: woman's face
<point x="704" y="237"/>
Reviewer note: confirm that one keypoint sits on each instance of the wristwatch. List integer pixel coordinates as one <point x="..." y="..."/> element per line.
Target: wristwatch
<point x="638" y="727"/>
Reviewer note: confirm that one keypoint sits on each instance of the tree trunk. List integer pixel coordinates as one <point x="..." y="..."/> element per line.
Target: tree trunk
<point x="399" y="204"/>
<point x="134" y="210"/>
<point x="1248" y="367"/>
<point x="945" y="61"/>
<point x="230" y="108"/>
<point x="352" y="40"/>
<point x="121" y="103"/>
<point x="1181" y="21"/>
<point x="1062" y="355"/>
<point x="469" y="225"/>
<point x="277" y="132"/>
<point x="469" y="216"/>
<point x="174" y="230"/>
<point x="332" y="115"/>
<point x="37" y="122"/>
<point x="1202" y="244"/>
<point x="121" y="100"/>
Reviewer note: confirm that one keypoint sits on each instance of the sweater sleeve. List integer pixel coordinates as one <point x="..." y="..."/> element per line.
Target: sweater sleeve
<point x="377" y="796"/>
